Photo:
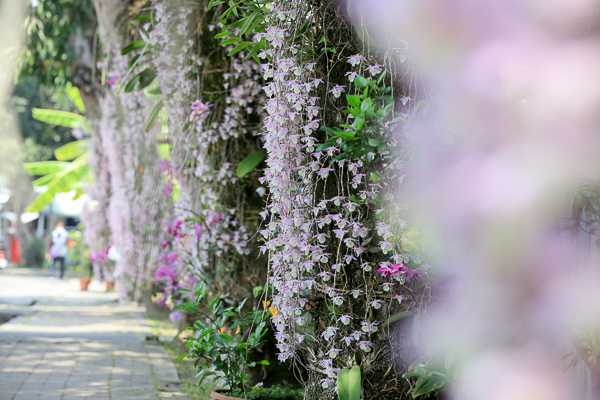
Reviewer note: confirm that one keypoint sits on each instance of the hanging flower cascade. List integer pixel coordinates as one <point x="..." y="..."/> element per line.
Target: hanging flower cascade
<point x="134" y="211"/>
<point x="206" y="235"/>
<point x="312" y="239"/>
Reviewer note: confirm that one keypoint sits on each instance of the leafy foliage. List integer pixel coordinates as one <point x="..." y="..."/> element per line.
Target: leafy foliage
<point x="249" y="163"/>
<point x="41" y="138"/>
<point x="431" y="377"/>
<point x="60" y="176"/>
<point x="370" y="110"/>
<point x="61" y="118"/>
<point x="34" y="249"/>
<point x="48" y="53"/>
<point x="240" y="22"/>
<point x="226" y="336"/>
<point x="73" y="176"/>
<point x="349" y="382"/>
<point x="284" y="391"/>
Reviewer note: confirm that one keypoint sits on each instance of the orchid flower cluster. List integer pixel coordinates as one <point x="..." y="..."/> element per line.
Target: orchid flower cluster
<point x="133" y="175"/>
<point x="97" y="230"/>
<point x="315" y="239"/>
<point x="207" y="237"/>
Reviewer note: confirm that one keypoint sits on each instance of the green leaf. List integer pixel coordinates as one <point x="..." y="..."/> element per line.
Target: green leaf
<point x="427" y="384"/>
<point x="366" y="104"/>
<point x="358" y="357"/>
<point x="213" y="301"/>
<point x="361" y="81"/>
<point x="343" y="384"/>
<point x="61" y="118"/>
<point x="247" y="23"/>
<point x="70" y="178"/>
<point x="44" y="180"/>
<point x="325" y="145"/>
<point x="263" y="362"/>
<point x="146" y="78"/>
<point x="222" y="35"/>
<point x="355" y="383"/>
<point x="215" y="3"/>
<point x="398" y="316"/>
<point x="381" y="76"/>
<point x="131" y="84"/>
<point x="153" y="116"/>
<point x="353" y="99"/>
<point x="179" y="358"/>
<point x="133" y="61"/>
<point x="238" y="48"/>
<point x="45" y="167"/>
<point x="73" y="93"/>
<point x="138" y="44"/>
<point x="250" y="162"/>
<point x="143" y="18"/>
<point x="239" y="308"/>
<point x="375" y="142"/>
<point x="241" y="346"/>
<point x="230" y="41"/>
<point x="253" y="27"/>
<point x="257" y="290"/>
<point x="71" y="151"/>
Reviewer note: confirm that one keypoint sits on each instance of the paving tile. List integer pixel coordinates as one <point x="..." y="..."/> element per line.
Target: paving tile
<point x="75" y="345"/>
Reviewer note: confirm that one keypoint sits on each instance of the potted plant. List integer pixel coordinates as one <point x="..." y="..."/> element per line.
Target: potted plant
<point x="85" y="275"/>
<point x="224" y="341"/>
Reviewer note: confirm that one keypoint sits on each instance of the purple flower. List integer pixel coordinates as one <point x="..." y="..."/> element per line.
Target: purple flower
<point x="417" y="273"/>
<point x="351" y="75"/>
<point x="176" y="316"/>
<point x="199" y="107"/>
<point x="355" y="59"/>
<point x="330" y="332"/>
<point x="348" y="340"/>
<point x="337" y="91"/>
<point x="375" y="69"/>
<point x="387" y="271"/>
<point x="365" y="345"/>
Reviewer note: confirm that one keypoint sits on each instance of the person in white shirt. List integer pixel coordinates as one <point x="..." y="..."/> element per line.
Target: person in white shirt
<point x="57" y="249"/>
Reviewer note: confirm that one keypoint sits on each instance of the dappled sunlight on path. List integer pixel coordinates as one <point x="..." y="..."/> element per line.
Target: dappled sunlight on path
<point x="68" y="344"/>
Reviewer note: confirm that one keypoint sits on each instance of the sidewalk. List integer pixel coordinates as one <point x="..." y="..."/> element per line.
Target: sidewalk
<point x="68" y="344"/>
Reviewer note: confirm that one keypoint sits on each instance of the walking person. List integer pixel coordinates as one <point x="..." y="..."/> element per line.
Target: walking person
<point x="57" y="249"/>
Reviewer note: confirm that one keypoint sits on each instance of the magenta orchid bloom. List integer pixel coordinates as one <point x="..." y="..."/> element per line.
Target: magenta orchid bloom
<point x="400" y="267"/>
<point x="417" y="273"/>
<point x="386" y="271"/>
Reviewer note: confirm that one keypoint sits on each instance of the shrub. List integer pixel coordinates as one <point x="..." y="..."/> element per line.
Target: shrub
<point x="34" y="250"/>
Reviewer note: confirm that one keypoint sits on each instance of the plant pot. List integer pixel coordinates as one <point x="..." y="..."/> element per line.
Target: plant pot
<point x="110" y="285"/>
<point x="220" y="394"/>
<point x="84" y="282"/>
